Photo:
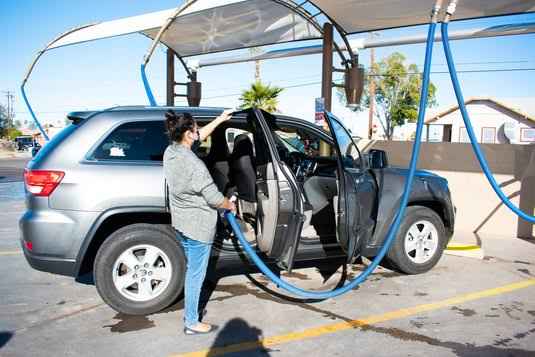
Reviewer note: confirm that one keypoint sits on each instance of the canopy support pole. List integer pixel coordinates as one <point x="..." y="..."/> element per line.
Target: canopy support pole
<point x="170" y="78"/>
<point x="327" y="79"/>
<point x="327" y="65"/>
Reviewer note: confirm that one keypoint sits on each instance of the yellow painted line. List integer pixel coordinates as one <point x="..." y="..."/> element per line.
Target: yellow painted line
<point x="455" y="246"/>
<point x="12" y="252"/>
<point x="370" y="320"/>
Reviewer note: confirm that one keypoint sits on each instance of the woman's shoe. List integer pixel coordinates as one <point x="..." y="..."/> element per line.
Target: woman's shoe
<point x="190" y="331"/>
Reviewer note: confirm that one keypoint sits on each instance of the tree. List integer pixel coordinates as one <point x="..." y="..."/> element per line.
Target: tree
<point x="397" y="92"/>
<point x="253" y="51"/>
<point x="262" y="96"/>
<point x="12" y="133"/>
<point x="3" y="120"/>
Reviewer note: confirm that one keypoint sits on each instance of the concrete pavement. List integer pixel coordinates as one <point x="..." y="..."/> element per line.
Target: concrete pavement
<point x="463" y="307"/>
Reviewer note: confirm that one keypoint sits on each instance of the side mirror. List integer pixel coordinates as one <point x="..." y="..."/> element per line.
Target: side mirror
<point x="377" y="159"/>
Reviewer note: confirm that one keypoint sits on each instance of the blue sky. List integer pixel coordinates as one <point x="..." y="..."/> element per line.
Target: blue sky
<point x="105" y="73"/>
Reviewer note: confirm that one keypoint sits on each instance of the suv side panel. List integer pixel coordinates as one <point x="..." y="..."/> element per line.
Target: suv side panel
<point x="98" y="187"/>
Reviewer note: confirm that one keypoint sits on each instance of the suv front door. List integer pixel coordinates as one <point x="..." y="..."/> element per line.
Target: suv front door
<point x="357" y="191"/>
<point x="289" y="200"/>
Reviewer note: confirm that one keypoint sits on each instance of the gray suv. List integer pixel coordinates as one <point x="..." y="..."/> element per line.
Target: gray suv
<point x="97" y="201"/>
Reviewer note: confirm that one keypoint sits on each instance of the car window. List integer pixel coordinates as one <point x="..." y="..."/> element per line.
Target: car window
<point x="135" y="141"/>
<point x="232" y="133"/>
<point x="348" y="149"/>
<point x="300" y="140"/>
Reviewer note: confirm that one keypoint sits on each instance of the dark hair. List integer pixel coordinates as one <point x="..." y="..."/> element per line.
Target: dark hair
<point x="177" y="124"/>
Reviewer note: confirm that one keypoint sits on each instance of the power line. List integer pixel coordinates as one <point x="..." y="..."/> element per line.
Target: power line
<point x="384" y="75"/>
<point x="319" y="82"/>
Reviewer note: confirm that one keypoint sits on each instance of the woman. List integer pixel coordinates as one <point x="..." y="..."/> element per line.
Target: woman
<point x="194" y="200"/>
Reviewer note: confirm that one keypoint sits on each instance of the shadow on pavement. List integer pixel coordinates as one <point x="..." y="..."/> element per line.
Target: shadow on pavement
<point x="238" y="332"/>
<point x="5" y="336"/>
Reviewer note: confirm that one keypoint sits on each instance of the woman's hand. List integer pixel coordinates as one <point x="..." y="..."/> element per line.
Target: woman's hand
<point x="207" y="130"/>
<point x="228" y="204"/>
<point x="226" y="115"/>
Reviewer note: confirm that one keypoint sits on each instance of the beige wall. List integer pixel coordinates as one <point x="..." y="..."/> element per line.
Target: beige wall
<point x="479" y="210"/>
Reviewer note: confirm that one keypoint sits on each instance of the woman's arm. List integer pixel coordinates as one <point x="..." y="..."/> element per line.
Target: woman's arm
<point x="203" y="183"/>
<point x="206" y="130"/>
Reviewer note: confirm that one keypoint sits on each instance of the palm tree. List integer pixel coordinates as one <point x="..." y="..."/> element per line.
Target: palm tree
<point x="262" y="96"/>
<point x="253" y="51"/>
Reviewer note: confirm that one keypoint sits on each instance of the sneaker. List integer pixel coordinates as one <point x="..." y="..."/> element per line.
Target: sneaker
<point x="200" y="329"/>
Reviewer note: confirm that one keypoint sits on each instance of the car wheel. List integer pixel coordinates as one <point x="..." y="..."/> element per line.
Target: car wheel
<point x="420" y="241"/>
<point x="139" y="269"/>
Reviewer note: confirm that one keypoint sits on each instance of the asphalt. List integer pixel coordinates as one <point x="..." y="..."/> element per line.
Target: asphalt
<point x="463" y="307"/>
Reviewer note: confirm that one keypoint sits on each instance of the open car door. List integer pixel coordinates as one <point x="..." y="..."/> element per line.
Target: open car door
<point x="280" y="203"/>
<point x="357" y="191"/>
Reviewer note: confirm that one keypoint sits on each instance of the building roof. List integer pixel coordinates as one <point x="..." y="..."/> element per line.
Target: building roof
<point x="482" y="100"/>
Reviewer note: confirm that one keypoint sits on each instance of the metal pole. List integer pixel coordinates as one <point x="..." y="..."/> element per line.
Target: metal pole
<point x="170" y="78"/>
<point x="327" y="66"/>
<point x="371" y="80"/>
<point x="327" y="79"/>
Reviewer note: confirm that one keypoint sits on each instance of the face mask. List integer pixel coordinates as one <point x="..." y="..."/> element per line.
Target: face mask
<point x="196" y="145"/>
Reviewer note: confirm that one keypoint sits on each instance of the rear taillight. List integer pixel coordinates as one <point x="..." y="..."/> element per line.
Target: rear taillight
<point x="42" y="182"/>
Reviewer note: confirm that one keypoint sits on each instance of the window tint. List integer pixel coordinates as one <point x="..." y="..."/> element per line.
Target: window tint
<point x="138" y="141"/>
<point x="348" y="150"/>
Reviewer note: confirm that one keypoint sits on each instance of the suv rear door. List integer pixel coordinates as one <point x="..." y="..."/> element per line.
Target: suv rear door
<point x="290" y="216"/>
<point x="357" y="191"/>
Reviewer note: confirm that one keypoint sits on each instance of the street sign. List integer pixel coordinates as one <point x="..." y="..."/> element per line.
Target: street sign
<point x="320" y="109"/>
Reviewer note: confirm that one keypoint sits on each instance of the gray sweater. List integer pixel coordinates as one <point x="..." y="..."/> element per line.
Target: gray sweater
<point x="193" y="196"/>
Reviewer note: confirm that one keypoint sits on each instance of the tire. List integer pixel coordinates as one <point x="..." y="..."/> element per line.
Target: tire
<point x="163" y="277"/>
<point x="428" y="248"/>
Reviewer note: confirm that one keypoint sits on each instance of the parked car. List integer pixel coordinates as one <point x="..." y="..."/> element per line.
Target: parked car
<point x="96" y="201"/>
<point x="35" y="149"/>
<point x="24" y="142"/>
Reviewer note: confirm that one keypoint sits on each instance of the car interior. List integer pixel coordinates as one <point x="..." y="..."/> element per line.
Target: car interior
<point x="241" y="165"/>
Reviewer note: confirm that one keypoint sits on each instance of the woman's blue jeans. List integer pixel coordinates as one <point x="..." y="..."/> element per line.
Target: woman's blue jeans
<point x="197" y="257"/>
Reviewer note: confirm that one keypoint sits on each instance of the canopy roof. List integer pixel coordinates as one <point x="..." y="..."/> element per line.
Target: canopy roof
<point x="220" y="25"/>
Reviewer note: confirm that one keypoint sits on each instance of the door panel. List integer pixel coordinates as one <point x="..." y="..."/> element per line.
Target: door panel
<point x="357" y="192"/>
<point x="289" y="217"/>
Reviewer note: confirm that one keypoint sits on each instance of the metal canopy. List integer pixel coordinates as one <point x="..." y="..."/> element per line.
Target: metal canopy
<point x="208" y="26"/>
<point x="354" y="16"/>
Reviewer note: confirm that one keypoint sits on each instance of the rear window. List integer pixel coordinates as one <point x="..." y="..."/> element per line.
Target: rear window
<point x="136" y="141"/>
<point x="55" y="141"/>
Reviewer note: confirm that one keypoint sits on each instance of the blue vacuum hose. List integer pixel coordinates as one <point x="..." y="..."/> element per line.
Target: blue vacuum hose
<point x="146" y="85"/>
<point x="473" y="140"/>
<point x="32" y="113"/>
<point x="393" y="228"/>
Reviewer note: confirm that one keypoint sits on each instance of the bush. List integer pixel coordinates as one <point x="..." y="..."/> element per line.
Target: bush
<point x="12" y="133"/>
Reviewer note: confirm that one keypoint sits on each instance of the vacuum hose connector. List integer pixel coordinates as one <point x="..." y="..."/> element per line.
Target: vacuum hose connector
<point x="450" y="10"/>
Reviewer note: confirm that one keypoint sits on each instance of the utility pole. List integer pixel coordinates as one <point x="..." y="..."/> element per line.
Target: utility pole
<point x="371" y="89"/>
<point x="10" y="108"/>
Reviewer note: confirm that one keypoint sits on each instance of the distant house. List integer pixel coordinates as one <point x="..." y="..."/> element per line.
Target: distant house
<point x="493" y="123"/>
<point x="49" y="129"/>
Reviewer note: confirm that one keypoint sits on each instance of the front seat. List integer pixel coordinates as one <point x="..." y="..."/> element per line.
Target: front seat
<point x="243" y="169"/>
<point x="217" y="161"/>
